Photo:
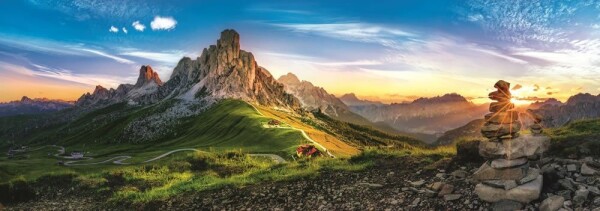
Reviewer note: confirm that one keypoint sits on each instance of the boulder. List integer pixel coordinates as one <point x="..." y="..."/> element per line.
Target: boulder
<point x="504" y="163"/>
<point x="571" y="167"/>
<point x="436" y="186"/>
<point x="552" y="203"/>
<point x="587" y="170"/>
<point x="524" y="193"/>
<point x="446" y="189"/>
<point x="486" y="172"/>
<point x="523" y="146"/>
<point x="468" y="151"/>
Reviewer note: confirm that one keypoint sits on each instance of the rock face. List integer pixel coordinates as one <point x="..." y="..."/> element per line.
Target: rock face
<point x="147" y="76"/>
<point x="312" y="97"/>
<point x="222" y="71"/>
<point x="33" y="106"/>
<point x="507" y="175"/>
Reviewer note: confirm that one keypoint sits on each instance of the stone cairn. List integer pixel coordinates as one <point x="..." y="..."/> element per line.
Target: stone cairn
<point x="507" y="175"/>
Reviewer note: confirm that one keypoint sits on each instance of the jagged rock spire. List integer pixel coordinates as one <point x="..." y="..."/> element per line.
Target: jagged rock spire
<point x="147" y="75"/>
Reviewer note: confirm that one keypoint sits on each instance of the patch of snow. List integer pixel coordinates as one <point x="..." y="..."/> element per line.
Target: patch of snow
<point x="190" y="95"/>
<point x="148" y="88"/>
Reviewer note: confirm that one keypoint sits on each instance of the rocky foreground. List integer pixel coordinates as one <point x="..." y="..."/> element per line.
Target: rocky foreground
<point x="392" y="184"/>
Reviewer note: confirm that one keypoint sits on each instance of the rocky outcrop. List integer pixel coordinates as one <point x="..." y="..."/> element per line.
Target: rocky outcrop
<point x="148" y="76"/>
<point x="312" y="97"/>
<point x="32" y="106"/>
<point x="222" y="71"/>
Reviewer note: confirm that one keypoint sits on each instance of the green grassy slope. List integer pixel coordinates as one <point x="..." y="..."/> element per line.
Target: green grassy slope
<point x="577" y="139"/>
<point x="228" y="125"/>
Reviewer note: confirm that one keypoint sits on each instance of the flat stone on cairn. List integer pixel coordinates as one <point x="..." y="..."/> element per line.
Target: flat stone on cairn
<point x="507" y="174"/>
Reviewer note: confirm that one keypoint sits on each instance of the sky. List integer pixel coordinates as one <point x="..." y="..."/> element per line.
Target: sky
<point x="391" y="51"/>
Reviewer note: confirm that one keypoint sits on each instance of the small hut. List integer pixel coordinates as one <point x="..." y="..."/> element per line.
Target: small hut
<point x="10" y="153"/>
<point x="77" y="155"/>
<point x="274" y="122"/>
<point x="308" y="150"/>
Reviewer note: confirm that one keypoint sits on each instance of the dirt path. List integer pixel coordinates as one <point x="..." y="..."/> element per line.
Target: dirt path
<point x="276" y="158"/>
<point x="119" y="159"/>
<point x="301" y="131"/>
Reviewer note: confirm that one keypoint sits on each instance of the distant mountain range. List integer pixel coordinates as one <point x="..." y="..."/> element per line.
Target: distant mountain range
<point x="317" y="98"/>
<point x="424" y="115"/>
<point x="578" y="107"/>
<point x="554" y="113"/>
<point x="33" y="106"/>
<point x="350" y="99"/>
<point x="548" y="102"/>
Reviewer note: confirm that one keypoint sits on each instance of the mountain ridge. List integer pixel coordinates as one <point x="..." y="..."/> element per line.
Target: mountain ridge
<point x="222" y="71"/>
<point x="28" y="105"/>
<point x="433" y="115"/>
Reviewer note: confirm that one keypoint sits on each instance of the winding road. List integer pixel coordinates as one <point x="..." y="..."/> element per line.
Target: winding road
<point x="302" y="131"/>
<point x="119" y="160"/>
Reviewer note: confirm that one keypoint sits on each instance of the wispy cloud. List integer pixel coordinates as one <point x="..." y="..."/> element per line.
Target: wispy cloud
<point x="55" y="47"/>
<point x="163" y="23"/>
<point x="124" y="30"/>
<point x="548" y="22"/>
<point x="166" y="57"/>
<point x="104" y="54"/>
<point x="278" y="10"/>
<point x="349" y="63"/>
<point x="355" y="31"/>
<point x="86" y="9"/>
<point x="62" y="74"/>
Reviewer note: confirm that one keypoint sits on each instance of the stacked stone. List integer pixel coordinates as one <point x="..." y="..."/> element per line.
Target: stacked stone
<point x="536" y="127"/>
<point x="503" y="122"/>
<point x="506" y="175"/>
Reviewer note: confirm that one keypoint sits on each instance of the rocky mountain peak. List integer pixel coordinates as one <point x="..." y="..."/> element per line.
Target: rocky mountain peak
<point x="582" y="98"/>
<point x="447" y="98"/>
<point x="349" y="97"/>
<point x="99" y="89"/>
<point x="221" y="71"/>
<point x="229" y="45"/>
<point x="289" y="78"/>
<point x="147" y="75"/>
<point x="26" y="99"/>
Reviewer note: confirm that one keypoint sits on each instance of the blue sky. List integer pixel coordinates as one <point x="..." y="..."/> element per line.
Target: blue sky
<point x="388" y="50"/>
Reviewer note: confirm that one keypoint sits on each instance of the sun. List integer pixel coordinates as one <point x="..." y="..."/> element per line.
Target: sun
<point x="517" y="98"/>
